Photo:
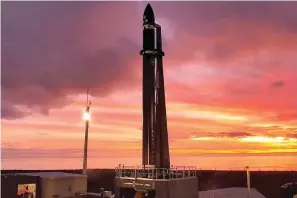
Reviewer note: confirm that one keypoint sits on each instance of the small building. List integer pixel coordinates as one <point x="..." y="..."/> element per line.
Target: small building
<point x="44" y="185"/>
<point x="14" y="186"/>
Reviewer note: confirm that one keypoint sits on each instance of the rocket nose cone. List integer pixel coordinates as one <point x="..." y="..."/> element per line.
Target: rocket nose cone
<point x="148" y="16"/>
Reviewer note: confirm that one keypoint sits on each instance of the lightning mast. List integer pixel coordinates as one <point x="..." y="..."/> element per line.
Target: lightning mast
<point x="86" y="117"/>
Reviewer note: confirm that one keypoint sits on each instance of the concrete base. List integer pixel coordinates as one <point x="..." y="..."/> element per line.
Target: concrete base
<point x="161" y="188"/>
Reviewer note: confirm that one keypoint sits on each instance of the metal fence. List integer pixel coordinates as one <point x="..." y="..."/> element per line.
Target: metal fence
<point x="173" y="172"/>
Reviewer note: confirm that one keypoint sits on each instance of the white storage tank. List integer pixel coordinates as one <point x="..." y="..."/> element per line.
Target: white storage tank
<point x="60" y="184"/>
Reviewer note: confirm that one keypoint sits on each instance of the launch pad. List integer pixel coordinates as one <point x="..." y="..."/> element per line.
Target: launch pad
<point x="150" y="182"/>
<point x="155" y="178"/>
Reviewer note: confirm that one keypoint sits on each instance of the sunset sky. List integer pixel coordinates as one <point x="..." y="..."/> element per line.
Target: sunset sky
<point x="230" y="76"/>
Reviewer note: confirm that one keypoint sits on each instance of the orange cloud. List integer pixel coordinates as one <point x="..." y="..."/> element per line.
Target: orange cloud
<point x="229" y="69"/>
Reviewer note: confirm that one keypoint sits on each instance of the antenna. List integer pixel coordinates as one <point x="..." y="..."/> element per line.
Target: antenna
<point x="88" y="104"/>
<point x="87" y="96"/>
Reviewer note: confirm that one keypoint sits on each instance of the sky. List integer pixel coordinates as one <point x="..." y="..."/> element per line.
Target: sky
<point x="230" y="71"/>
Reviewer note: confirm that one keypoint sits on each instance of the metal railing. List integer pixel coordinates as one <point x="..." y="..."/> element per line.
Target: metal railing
<point x="254" y="169"/>
<point x="151" y="172"/>
<point x="104" y="194"/>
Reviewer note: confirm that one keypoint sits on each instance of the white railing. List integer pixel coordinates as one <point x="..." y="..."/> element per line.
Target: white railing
<point x="151" y="172"/>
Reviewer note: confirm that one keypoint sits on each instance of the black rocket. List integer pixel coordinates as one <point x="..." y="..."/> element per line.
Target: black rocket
<point x="155" y="146"/>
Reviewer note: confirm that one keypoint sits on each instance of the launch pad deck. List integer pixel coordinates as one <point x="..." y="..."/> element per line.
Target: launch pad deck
<point x="174" y="182"/>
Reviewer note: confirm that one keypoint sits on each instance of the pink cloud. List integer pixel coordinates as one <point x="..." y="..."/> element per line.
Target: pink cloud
<point x="224" y="61"/>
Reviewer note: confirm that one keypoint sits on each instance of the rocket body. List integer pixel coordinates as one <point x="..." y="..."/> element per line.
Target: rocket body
<point x="155" y="146"/>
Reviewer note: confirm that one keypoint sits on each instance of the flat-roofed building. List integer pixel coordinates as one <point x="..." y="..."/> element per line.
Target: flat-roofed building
<point x="15" y="186"/>
<point x="44" y="185"/>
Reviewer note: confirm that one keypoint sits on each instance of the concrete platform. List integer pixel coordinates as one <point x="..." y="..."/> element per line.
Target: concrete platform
<point x="234" y="192"/>
<point x="153" y="183"/>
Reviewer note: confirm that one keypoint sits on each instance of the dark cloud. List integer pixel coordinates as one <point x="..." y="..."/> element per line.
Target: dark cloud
<point x="42" y="133"/>
<point x="291" y="135"/>
<point x="278" y="84"/>
<point x="54" y="49"/>
<point x="233" y="134"/>
<point x="237" y="22"/>
<point x="223" y="134"/>
<point x="230" y="134"/>
<point x="239" y="135"/>
<point x="12" y="152"/>
<point x="287" y="116"/>
<point x="50" y="51"/>
<point x="6" y="144"/>
<point x="11" y="112"/>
